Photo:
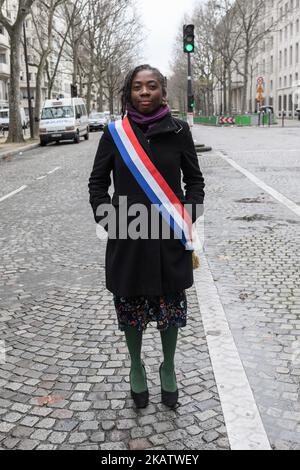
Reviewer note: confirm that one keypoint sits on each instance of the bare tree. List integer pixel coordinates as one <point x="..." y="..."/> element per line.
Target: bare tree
<point x="42" y="17"/>
<point x="76" y="17"/>
<point x="14" y="30"/>
<point x="205" y="59"/>
<point x="177" y="84"/>
<point x="117" y="48"/>
<point x="248" y="14"/>
<point x="225" y="41"/>
<point x="74" y="8"/>
<point x="216" y="43"/>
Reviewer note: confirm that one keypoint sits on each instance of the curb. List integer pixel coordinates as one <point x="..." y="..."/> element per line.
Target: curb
<point x="200" y="148"/>
<point x="10" y="153"/>
<point x="204" y="149"/>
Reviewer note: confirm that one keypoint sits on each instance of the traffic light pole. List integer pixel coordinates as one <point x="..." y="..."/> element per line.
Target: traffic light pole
<point x="190" y="95"/>
<point x="190" y="85"/>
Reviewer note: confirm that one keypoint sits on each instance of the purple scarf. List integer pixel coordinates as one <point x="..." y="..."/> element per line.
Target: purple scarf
<point x="147" y="121"/>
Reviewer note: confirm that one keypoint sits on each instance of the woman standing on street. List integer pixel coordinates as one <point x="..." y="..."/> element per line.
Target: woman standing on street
<point x="148" y="276"/>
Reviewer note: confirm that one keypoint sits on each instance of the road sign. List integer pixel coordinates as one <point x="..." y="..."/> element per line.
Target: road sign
<point x="260" y="89"/>
<point x="226" y="120"/>
<point x="260" y="81"/>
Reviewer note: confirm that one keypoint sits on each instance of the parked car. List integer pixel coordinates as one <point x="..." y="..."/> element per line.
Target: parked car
<point x="115" y="117"/>
<point x="97" y="121"/>
<point x="64" y="119"/>
<point x="4" y="119"/>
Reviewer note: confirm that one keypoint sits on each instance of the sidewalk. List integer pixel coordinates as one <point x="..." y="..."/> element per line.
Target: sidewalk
<point x="289" y="123"/>
<point x="7" y="150"/>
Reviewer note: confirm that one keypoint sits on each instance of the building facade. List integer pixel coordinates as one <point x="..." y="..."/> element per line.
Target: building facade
<point x="274" y="69"/>
<point x="63" y="80"/>
<point x="4" y="67"/>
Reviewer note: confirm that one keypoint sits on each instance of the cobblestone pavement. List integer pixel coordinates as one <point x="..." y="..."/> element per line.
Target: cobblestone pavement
<point x="252" y="246"/>
<point x="64" y="377"/>
<point x="64" y="383"/>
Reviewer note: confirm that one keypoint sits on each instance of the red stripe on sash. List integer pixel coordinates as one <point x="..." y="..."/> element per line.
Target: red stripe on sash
<point x="156" y="175"/>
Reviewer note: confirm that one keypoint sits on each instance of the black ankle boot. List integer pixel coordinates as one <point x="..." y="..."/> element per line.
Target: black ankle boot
<point x="169" y="399"/>
<point x="141" y="400"/>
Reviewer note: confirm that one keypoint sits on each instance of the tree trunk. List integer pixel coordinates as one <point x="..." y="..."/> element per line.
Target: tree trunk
<point x="15" y="134"/>
<point x="245" y="87"/>
<point x="89" y="87"/>
<point x="229" y="91"/>
<point x="100" y="97"/>
<point x="75" y="62"/>
<point x="211" y="102"/>
<point x="205" y="95"/>
<point x="225" y="93"/>
<point x="111" y="101"/>
<point x="251" y="91"/>
<point x="38" y="97"/>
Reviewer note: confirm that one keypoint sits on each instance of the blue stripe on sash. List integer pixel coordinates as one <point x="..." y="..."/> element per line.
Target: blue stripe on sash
<point x="144" y="185"/>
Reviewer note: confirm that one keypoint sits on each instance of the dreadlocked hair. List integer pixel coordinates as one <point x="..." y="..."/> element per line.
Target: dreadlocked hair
<point x="126" y="90"/>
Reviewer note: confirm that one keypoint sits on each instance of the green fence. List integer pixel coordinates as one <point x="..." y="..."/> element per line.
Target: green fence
<point x="209" y="120"/>
<point x="243" y="120"/>
<point x="240" y="120"/>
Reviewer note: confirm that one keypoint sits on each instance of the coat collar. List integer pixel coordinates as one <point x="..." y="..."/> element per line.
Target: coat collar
<point x="166" y="125"/>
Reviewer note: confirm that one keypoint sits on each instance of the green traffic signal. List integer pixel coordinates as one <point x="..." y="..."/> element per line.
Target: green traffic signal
<point x="188" y="38"/>
<point x="189" y="47"/>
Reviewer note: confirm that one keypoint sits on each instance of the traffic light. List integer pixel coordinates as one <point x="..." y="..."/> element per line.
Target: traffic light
<point x="191" y="103"/>
<point x="188" y="38"/>
<point x="74" y="91"/>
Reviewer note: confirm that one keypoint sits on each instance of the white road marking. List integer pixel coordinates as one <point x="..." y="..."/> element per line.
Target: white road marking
<point x="12" y="193"/>
<point x="265" y="150"/>
<point x="55" y="169"/>
<point x="242" y="419"/>
<point x="24" y="187"/>
<point x="275" y="194"/>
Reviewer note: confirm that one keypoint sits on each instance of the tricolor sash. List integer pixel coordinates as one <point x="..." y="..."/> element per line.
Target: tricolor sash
<point x="151" y="181"/>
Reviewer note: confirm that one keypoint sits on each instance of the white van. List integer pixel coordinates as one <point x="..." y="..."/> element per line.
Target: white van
<point x="4" y="119"/>
<point x="64" y="119"/>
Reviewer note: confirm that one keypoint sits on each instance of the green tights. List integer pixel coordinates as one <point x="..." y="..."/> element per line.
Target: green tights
<point x="138" y="379"/>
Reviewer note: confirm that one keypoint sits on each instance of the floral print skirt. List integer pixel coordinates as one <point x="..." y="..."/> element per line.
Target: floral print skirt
<point x="168" y="310"/>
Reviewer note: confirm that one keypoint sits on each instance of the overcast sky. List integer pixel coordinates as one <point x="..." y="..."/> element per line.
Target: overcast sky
<point x="162" y="19"/>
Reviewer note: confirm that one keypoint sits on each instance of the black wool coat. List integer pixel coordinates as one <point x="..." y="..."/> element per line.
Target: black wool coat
<point x="148" y="266"/>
